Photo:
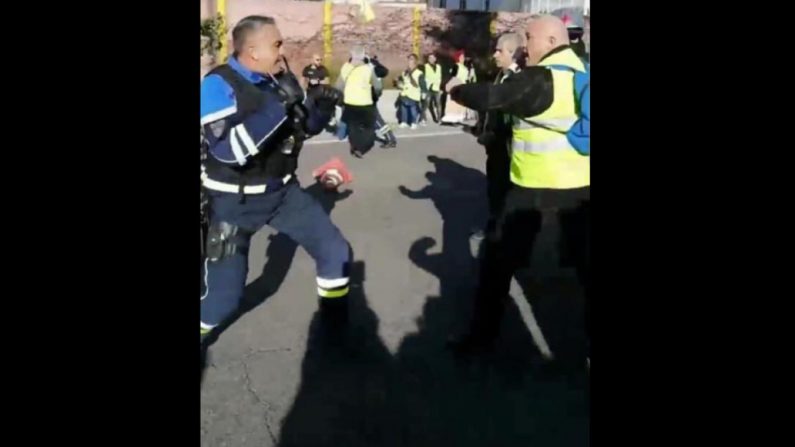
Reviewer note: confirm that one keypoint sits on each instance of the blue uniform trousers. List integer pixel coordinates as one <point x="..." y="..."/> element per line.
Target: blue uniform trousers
<point x="289" y="210"/>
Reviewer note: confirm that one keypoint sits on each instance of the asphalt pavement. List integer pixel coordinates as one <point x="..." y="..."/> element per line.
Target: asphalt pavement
<point x="272" y="379"/>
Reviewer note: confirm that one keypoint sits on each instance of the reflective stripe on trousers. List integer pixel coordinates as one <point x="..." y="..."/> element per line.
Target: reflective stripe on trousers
<point x="332" y="288"/>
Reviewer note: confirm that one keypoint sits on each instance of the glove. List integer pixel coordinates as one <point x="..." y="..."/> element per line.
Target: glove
<point x="326" y="98"/>
<point x="290" y="89"/>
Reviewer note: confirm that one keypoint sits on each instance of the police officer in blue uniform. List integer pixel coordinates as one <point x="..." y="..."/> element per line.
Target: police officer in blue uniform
<point x="254" y="117"/>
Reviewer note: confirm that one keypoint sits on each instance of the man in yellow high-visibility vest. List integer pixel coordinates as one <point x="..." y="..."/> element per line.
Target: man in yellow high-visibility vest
<point x="456" y="113"/>
<point x="412" y="86"/>
<point x="547" y="173"/>
<point x="433" y="98"/>
<point x="356" y="80"/>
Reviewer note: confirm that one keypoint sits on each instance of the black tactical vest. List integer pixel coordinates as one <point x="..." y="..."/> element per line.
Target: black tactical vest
<point x="276" y="158"/>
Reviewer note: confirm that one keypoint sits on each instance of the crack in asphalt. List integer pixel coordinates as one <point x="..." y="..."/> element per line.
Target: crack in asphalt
<point x="253" y="392"/>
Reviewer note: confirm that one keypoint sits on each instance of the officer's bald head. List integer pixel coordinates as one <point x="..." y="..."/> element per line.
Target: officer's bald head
<point x="544" y="33"/>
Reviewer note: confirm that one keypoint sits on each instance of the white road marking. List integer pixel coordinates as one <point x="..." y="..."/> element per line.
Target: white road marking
<point x="529" y="320"/>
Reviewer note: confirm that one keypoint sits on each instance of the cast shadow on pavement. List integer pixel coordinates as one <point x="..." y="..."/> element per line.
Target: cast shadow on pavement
<point x="358" y="394"/>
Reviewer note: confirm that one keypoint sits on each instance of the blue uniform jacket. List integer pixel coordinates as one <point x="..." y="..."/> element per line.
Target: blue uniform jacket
<point x="234" y="141"/>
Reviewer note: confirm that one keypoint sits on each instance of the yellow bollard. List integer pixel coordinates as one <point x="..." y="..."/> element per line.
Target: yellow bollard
<point x="416" y="31"/>
<point x="220" y="9"/>
<point x="327" y="33"/>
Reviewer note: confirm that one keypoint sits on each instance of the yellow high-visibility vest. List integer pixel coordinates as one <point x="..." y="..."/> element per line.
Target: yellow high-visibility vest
<point x="463" y="73"/>
<point x="345" y="70"/>
<point x="409" y="90"/>
<point x="433" y="77"/>
<point x="543" y="158"/>
<point x="358" y="85"/>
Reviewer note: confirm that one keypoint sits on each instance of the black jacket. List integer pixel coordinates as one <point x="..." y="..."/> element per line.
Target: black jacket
<point x="494" y="120"/>
<point x="527" y="93"/>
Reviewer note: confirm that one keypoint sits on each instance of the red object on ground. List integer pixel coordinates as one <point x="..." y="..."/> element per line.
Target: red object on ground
<point x="333" y="174"/>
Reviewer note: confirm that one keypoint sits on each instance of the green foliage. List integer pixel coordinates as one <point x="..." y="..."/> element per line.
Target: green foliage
<point x="215" y="31"/>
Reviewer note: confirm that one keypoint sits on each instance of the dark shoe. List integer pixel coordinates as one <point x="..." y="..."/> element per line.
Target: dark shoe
<point x="389" y="145"/>
<point x="357" y="153"/>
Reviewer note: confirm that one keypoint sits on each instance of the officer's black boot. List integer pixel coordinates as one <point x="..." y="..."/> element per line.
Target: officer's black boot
<point x="334" y="319"/>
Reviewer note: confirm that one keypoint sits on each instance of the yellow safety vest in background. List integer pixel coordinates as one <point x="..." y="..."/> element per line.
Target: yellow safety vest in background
<point x="433" y="77"/>
<point x="463" y="73"/>
<point x="409" y="90"/>
<point x="543" y="158"/>
<point x="358" y="85"/>
<point x="345" y="70"/>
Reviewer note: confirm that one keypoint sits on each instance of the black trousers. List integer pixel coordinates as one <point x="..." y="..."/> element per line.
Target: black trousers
<point x="509" y="244"/>
<point x="383" y="132"/>
<point x="432" y="102"/>
<point x="498" y="172"/>
<point x="361" y="126"/>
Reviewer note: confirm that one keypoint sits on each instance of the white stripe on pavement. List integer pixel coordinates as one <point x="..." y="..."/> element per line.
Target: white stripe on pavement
<point x="529" y="319"/>
<point x="399" y="137"/>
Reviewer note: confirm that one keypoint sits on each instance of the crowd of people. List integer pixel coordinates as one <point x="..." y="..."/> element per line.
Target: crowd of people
<point x="420" y="94"/>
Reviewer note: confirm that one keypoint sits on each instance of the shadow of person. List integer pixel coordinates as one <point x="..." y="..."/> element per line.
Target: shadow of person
<point x="502" y="402"/>
<point x="457" y="193"/>
<point x="345" y="397"/>
<point x="357" y="394"/>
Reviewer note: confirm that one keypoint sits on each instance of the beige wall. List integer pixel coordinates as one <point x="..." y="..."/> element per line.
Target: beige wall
<point x="207" y="8"/>
<point x="389" y="35"/>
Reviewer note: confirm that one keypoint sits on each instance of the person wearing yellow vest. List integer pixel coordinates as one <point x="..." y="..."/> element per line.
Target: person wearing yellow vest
<point x="433" y="80"/>
<point x="464" y="73"/>
<point x="547" y="174"/>
<point x="456" y="113"/>
<point x="412" y="86"/>
<point x="356" y="80"/>
<point x="383" y="132"/>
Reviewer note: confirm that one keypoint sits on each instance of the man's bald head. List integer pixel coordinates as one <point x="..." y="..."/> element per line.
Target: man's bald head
<point x="544" y="33"/>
